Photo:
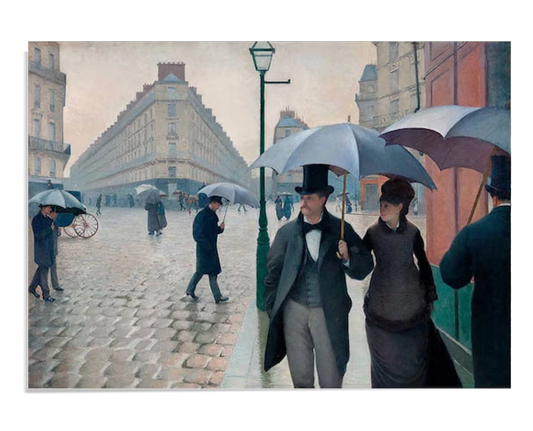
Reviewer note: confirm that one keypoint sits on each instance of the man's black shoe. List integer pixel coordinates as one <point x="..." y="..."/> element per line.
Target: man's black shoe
<point x="221" y="299"/>
<point x="193" y="296"/>
<point x="49" y="299"/>
<point x="34" y="293"/>
<point x="59" y="289"/>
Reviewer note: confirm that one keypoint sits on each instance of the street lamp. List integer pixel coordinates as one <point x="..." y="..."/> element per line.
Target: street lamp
<point x="262" y="53"/>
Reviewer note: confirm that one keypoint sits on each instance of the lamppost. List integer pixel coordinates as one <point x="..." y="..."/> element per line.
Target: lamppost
<point x="262" y="53"/>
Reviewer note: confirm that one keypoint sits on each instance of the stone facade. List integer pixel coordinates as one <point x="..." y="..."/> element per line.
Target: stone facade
<point x="165" y="137"/>
<point x="47" y="152"/>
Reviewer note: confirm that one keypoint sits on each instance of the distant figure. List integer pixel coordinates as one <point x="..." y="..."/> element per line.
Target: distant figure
<point x="181" y="202"/>
<point x="287" y="207"/>
<point x="241" y="206"/>
<point x="49" y="185"/>
<point x="348" y="205"/>
<point x="98" y="205"/>
<point x="131" y="201"/>
<point x="114" y="199"/>
<point x="279" y="208"/>
<point x="154" y="206"/>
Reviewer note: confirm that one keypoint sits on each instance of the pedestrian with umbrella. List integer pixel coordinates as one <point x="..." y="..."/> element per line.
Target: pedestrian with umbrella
<point x="287" y="207"/>
<point x="99" y="204"/>
<point x="279" y="208"/>
<point x="399" y="300"/>
<point x="306" y="296"/>
<point x="205" y="233"/>
<point x="45" y="233"/>
<point x="341" y="148"/>
<point x="156" y="212"/>
<point x="477" y="138"/>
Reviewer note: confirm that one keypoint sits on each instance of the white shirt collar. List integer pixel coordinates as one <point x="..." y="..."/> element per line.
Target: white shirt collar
<point x="307" y="221"/>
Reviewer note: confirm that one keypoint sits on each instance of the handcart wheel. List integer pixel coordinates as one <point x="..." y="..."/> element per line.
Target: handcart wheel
<point x="85" y="225"/>
<point x="69" y="230"/>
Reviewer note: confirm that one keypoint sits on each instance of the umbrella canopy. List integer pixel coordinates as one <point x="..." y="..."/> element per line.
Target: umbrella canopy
<point x="63" y="200"/>
<point x="232" y="192"/>
<point x="345" y="148"/>
<point x="454" y="136"/>
<point x="151" y="195"/>
<point x="143" y="188"/>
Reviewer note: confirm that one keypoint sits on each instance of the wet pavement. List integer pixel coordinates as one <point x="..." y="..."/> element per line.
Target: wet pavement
<point x="123" y="320"/>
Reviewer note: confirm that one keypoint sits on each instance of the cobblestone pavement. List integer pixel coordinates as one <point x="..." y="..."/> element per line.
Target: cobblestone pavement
<point x="123" y="320"/>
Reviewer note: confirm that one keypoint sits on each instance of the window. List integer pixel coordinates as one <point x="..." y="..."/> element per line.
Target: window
<point x="52" y="101"/>
<point x="37" y="55"/>
<point x="172" y="130"/>
<point x="37" y="165"/>
<point x="52" y="168"/>
<point x="287" y="132"/>
<point x="37" y="128"/>
<point x="394" y="81"/>
<point x="172" y="171"/>
<point x="395" y="106"/>
<point x="172" y="149"/>
<point x="393" y="50"/>
<point x="51" y="61"/>
<point x="171" y="110"/>
<point x="171" y="92"/>
<point x="37" y="96"/>
<point x="52" y="131"/>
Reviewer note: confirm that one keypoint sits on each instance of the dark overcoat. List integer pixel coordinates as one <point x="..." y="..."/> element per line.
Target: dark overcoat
<point x="205" y="231"/>
<point x="44" y="250"/>
<point x="483" y="250"/>
<point x="283" y="264"/>
<point x="154" y="223"/>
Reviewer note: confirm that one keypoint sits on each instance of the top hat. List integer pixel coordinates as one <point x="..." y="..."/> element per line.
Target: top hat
<point x="500" y="176"/>
<point x="315" y="180"/>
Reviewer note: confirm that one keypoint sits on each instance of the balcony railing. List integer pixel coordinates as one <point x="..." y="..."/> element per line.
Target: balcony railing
<point x="43" y="144"/>
<point x="54" y="75"/>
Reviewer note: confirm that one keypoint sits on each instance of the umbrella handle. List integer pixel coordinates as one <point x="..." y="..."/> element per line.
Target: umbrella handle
<point x="224" y="219"/>
<point x="485" y="175"/>
<point x="343" y="205"/>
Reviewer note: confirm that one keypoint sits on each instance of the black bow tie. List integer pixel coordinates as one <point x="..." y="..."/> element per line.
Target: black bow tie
<point x="308" y="227"/>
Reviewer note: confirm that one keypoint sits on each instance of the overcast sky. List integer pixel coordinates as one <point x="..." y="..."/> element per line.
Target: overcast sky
<point x="103" y="77"/>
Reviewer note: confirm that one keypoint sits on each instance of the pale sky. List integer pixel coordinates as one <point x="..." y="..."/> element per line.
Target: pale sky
<point x="103" y="77"/>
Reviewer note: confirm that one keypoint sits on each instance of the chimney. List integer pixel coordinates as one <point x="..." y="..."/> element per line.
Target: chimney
<point x="165" y="69"/>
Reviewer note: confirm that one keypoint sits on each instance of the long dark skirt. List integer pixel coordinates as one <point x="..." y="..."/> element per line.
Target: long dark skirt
<point x="398" y="359"/>
<point x="416" y="357"/>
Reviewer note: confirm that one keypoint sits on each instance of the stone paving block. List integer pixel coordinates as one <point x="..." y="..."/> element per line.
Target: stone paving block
<point x="58" y="342"/>
<point x="143" y="313"/>
<point x="111" y="311"/>
<point x="92" y="381"/>
<point x="188" y="347"/>
<point x="182" y="324"/>
<point x="173" y="374"/>
<point x="221" y="328"/>
<point x="69" y="365"/>
<point x="125" y="369"/>
<point x="63" y="380"/>
<point x="37" y="343"/>
<point x="93" y="310"/>
<point x="71" y="353"/>
<point x="161" y="305"/>
<point x="182" y="315"/>
<point x="144" y="344"/>
<point x="186" y="335"/>
<point x="235" y="318"/>
<point x="197" y="361"/>
<point x="147" y="357"/>
<point x="46" y="353"/>
<point x="102" y="331"/>
<point x="172" y="359"/>
<point x="93" y="320"/>
<point x="122" y="331"/>
<point x="211" y="350"/>
<point x="162" y="313"/>
<point x="162" y="323"/>
<point x="148" y="383"/>
<point x="184" y="385"/>
<point x="165" y="334"/>
<point x="216" y="378"/>
<point x="128" y="312"/>
<point x="122" y="355"/>
<point x="43" y="366"/>
<point x="108" y="321"/>
<point x="126" y="321"/>
<point x="165" y="346"/>
<point x="124" y="343"/>
<point x="201" y="326"/>
<point x="134" y="303"/>
<point x="229" y="338"/>
<point x="54" y="331"/>
<point x="99" y="354"/>
<point x="121" y="382"/>
<point x="71" y="331"/>
<point x="100" y="342"/>
<point x="228" y="350"/>
<point x="206" y="337"/>
<point x="218" y="364"/>
<point x="146" y="322"/>
<point x="93" y="367"/>
<point x="199" y="377"/>
<point x="39" y="379"/>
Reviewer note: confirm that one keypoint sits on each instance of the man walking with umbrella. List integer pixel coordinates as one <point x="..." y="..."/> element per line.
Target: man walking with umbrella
<point x="306" y="296"/>
<point x="205" y="232"/>
<point x="45" y="251"/>
<point x="483" y="250"/>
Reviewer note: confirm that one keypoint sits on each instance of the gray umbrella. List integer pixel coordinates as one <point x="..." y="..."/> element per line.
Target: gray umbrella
<point x="344" y="147"/>
<point x="63" y="200"/>
<point x="232" y="192"/>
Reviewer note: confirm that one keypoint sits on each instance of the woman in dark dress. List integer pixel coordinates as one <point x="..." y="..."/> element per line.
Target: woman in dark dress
<point x="400" y="297"/>
<point x="279" y="208"/>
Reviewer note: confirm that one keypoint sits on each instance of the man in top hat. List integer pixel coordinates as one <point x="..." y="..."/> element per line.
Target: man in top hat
<point x="306" y="296"/>
<point x="483" y="250"/>
<point x="205" y="231"/>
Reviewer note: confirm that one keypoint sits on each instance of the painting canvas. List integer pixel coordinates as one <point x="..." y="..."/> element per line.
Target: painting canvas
<point x="115" y="124"/>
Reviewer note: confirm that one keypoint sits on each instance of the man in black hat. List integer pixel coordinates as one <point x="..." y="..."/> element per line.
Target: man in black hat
<point x="205" y="232"/>
<point x="306" y="296"/>
<point x="483" y="250"/>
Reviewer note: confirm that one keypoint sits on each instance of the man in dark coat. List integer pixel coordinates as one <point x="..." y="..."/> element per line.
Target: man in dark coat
<point x="306" y="296"/>
<point x="205" y="232"/>
<point x="45" y="252"/>
<point x="483" y="250"/>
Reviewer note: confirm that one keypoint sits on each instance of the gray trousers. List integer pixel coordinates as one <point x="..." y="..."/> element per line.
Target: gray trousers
<point x="40" y="278"/>
<point x="306" y="336"/>
<point x="212" y="283"/>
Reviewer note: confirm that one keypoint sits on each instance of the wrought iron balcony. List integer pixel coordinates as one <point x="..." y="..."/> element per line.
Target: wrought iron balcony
<point x="43" y="144"/>
<point x="47" y="73"/>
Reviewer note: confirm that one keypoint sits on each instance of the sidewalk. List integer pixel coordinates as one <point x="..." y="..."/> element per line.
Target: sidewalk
<point x="245" y="368"/>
